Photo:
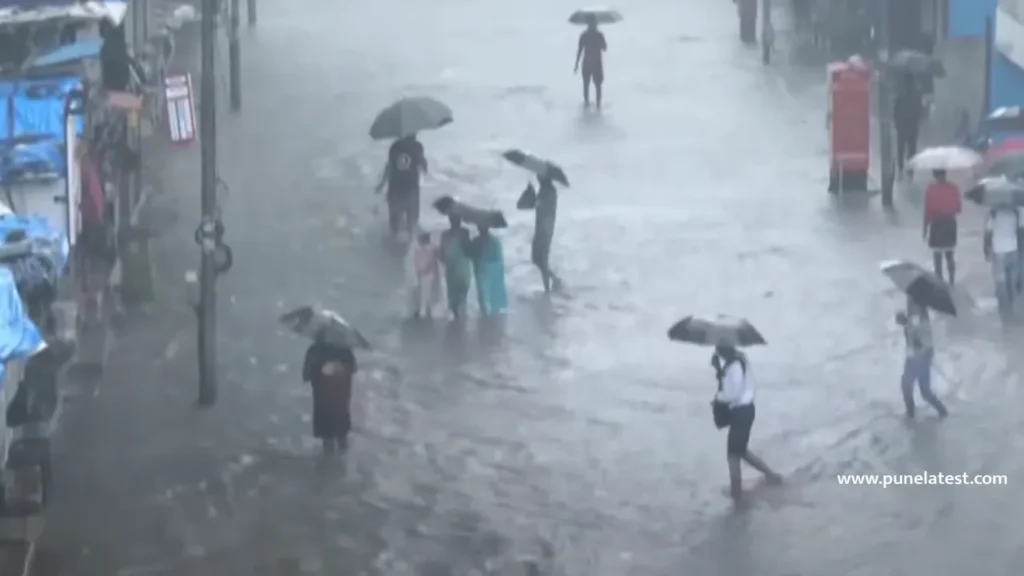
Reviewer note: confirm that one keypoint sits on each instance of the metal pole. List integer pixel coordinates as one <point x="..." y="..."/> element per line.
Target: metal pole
<point x="251" y="11"/>
<point x="235" y="56"/>
<point x="767" y="32"/>
<point x="884" y="109"/>
<point x="986" y="101"/>
<point x="208" y="147"/>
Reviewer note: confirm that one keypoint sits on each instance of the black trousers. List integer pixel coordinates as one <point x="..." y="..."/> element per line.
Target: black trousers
<point x="906" y="146"/>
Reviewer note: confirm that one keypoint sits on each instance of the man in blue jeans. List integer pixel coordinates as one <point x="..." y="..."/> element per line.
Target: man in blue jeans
<point x="917" y="368"/>
<point x="1001" y="245"/>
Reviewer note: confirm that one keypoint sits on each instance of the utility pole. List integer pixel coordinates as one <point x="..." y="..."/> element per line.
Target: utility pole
<point x="251" y="12"/>
<point x="207" y="309"/>
<point x="884" y="109"/>
<point x="235" y="56"/>
<point x="767" y="32"/>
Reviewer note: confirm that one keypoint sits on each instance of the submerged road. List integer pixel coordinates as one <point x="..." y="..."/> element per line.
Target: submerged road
<point x="575" y="435"/>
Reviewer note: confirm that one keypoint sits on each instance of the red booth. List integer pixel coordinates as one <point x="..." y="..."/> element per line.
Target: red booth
<point x="849" y="125"/>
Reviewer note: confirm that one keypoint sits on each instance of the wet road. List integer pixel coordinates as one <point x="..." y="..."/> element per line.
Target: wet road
<point x="575" y="434"/>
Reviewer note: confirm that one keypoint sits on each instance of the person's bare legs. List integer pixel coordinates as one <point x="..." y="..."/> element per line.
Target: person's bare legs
<point x="597" y="92"/>
<point x="759" y="465"/>
<point x="586" y="90"/>
<point x="545" y="276"/>
<point x="329" y="446"/>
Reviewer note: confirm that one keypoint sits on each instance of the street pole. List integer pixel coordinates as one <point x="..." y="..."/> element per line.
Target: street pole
<point x="767" y="32"/>
<point x="251" y="12"/>
<point x="207" y="326"/>
<point x="235" y="56"/>
<point x="884" y="109"/>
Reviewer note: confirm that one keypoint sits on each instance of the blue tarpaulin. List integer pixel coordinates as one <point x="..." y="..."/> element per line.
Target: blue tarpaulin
<point x="32" y="138"/>
<point x="19" y="11"/>
<point x="19" y="336"/>
<point x="84" y="50"/>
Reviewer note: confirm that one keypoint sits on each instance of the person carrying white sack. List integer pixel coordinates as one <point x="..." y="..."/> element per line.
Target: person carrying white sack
<point x="423" y="269"/>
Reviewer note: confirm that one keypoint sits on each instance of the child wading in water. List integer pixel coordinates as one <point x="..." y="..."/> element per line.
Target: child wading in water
<point x="425" y="278"/>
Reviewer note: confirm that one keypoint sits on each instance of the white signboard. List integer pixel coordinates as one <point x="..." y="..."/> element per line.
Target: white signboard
<point x="181" y="109"/>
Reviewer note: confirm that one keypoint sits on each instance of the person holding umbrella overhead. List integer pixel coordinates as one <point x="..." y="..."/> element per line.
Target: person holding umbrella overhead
<point x="329" y="366"/>
<point x="406" y="159"/>
<point x="907" y="114"/>
<point x="941" y="207"/>
<point x="733" y="405"/>
<point x="1002" y="249"/>
<point x="591" y="49"/>
<point x="924" y="290"/>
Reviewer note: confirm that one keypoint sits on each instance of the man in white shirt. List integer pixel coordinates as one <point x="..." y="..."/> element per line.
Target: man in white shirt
<point x="1002" y="233"/>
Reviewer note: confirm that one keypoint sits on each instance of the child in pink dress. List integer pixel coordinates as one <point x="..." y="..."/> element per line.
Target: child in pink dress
<point x="425" y="285"/>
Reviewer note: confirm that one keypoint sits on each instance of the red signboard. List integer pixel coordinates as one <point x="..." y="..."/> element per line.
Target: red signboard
<point x="850" y="117"/>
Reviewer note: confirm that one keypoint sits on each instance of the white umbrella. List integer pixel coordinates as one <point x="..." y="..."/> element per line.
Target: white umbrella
<point x="945" y="158"/>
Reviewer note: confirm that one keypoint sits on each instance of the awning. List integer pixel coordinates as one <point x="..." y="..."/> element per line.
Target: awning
<point x="24" y="11"/>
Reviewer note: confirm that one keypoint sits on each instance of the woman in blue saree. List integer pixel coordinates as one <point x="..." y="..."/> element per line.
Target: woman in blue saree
<point x="489" y="271"/>
<point x="454" y="252"/>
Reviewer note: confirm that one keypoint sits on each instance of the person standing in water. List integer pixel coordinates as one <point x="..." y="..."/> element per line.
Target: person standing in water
<point x="546" y="211"/>
<point x="454" y="251"/>
<point x="736" y="389"/>
<point x="941" y="207"/>
<point x="489" y="273"/>
<point x="591" y="51"/>
<point x="329" y="369"/>
<point x="917" y="330"/>
<point x="406" y="161"/>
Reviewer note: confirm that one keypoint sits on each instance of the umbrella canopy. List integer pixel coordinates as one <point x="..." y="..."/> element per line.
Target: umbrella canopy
<point x="595" y="14"/>
<point x="720" y="331"/>
<point x="539" y="166"/>
<point x="314" y="323"/>
<point x="997" y="191"/>
<point x="1006" y="159"/>
<point x="945" y="158"/>
<point x="918" y="63"/>
<point x="409" y="116"/>
<point x="922" y="285"/>
<point x="470" y="214"/>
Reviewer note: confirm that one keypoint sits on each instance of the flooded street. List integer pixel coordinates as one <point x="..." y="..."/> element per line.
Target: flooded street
<point x="575" y="435"/>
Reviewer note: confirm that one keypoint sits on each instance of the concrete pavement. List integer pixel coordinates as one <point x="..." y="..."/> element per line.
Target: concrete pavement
<point x="574" y="436"/>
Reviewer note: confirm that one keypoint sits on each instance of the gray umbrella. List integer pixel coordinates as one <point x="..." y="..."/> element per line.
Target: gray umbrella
<point x="923" y="286"/>
<point x="316" y="323"/>
<point x="720" y="331"/>
<point x="409" y="116"/>
<point x="918" y="63"/>
<point x="997" y="191"/>
<point x="595" y="14"/>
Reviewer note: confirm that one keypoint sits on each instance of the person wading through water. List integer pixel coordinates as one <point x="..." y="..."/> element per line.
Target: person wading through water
<point x="329" y="368"/>
<point x="591" y="50"/>
<point x="406" y="161"/>
<point x="941" y="207"/>
<point x="736" y="391"/>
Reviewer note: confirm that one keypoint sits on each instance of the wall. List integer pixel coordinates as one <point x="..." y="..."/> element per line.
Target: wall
<point x="1008" y="61"/>
<point x="967" y="17"/>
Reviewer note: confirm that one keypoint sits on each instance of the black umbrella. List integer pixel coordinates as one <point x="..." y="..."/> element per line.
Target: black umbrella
<point x="919" y="63"/>
<point x="539" y="166"/>
<point x="470" y="214"/>
<point x="720" y="331"/>
<point x="923" y="286"/>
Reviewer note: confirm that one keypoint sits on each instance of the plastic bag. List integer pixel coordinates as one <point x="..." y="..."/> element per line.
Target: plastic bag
<point x="528" y="199"/>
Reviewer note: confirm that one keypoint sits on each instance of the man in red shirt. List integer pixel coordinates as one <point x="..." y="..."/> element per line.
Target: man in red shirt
<point x="941" y="207"/>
